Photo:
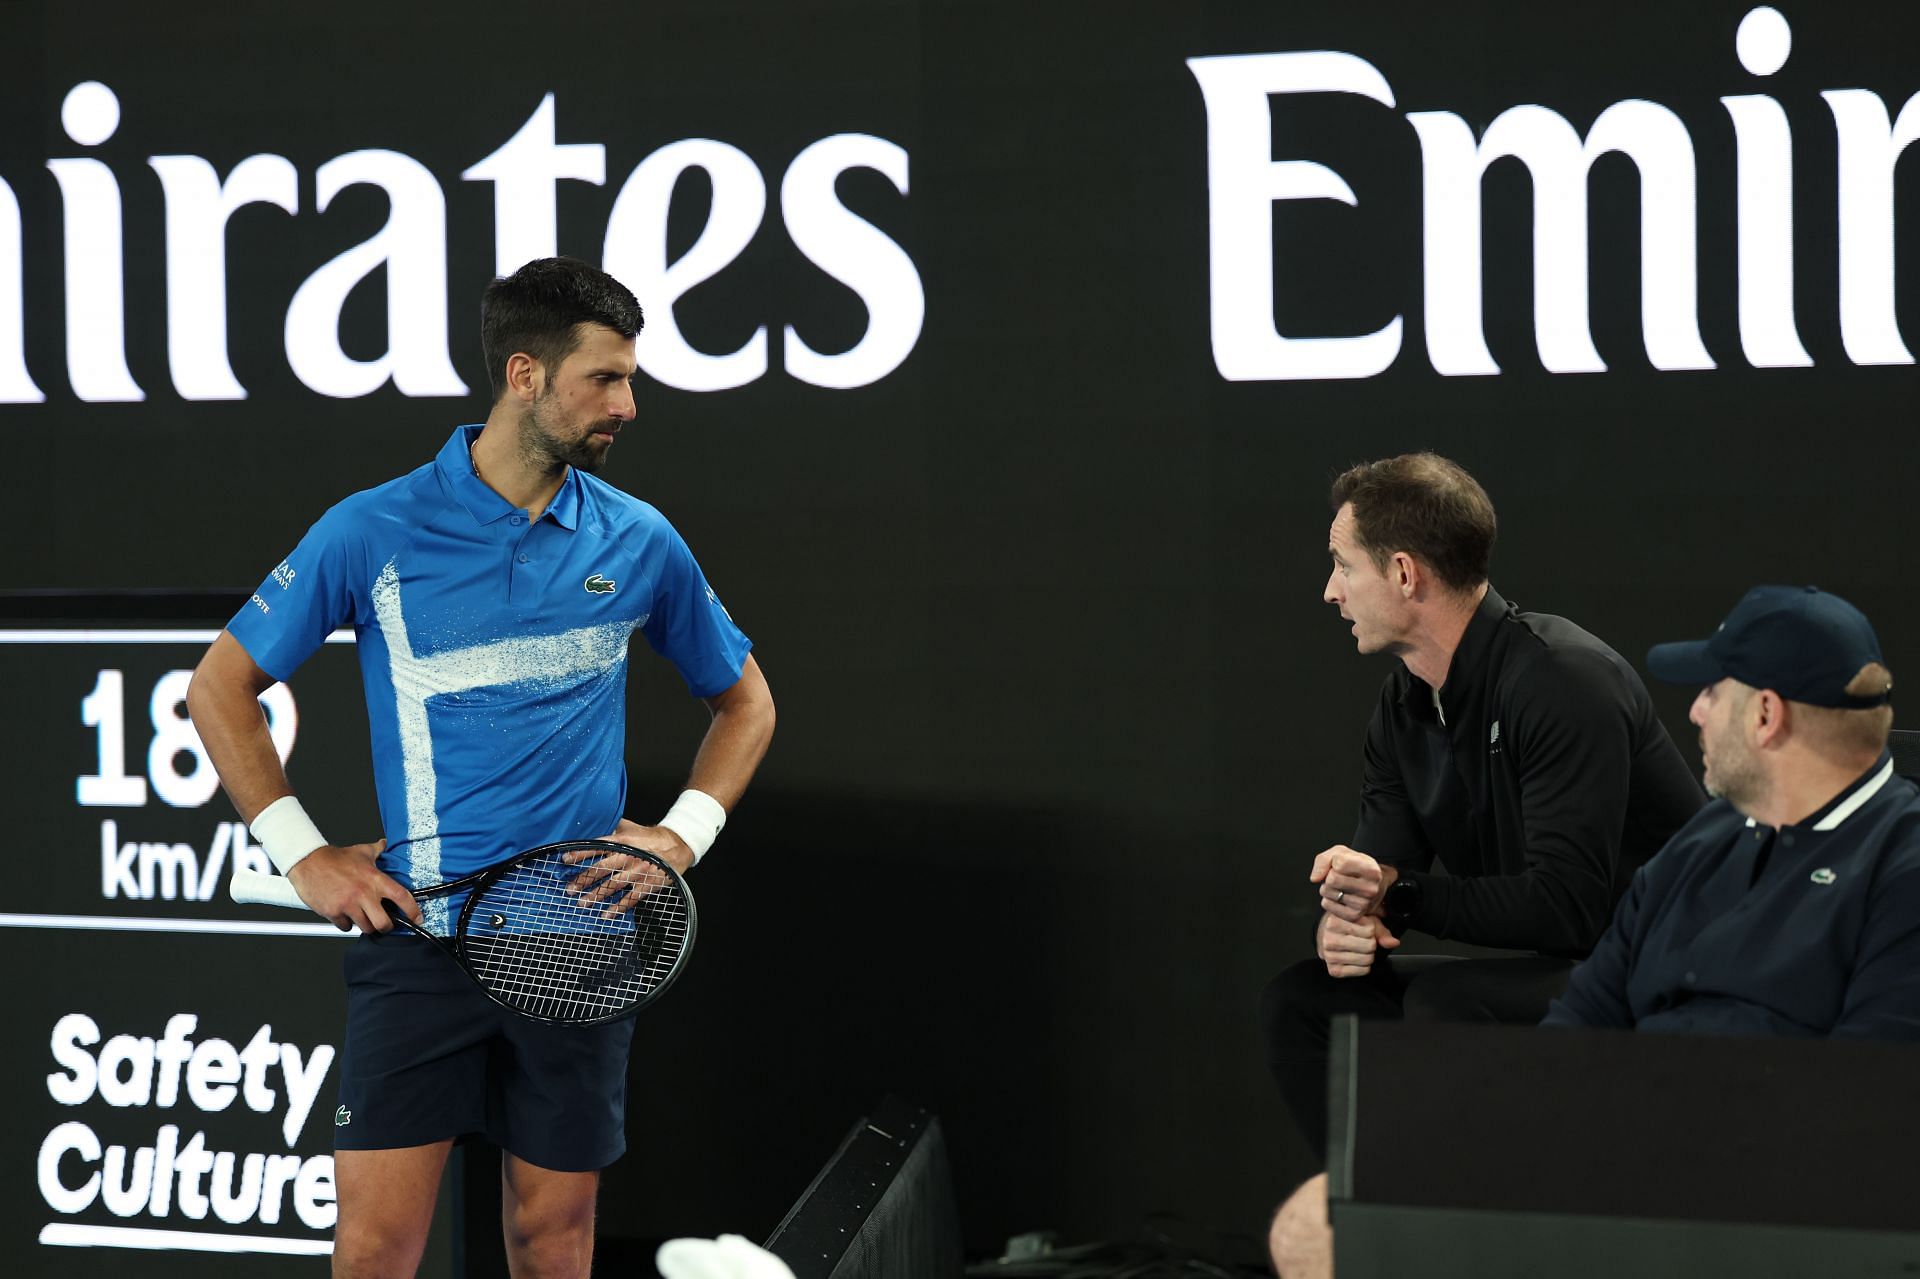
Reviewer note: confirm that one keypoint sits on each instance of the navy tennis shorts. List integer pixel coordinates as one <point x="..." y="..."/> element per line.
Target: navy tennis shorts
<point x="429" y="1057"/>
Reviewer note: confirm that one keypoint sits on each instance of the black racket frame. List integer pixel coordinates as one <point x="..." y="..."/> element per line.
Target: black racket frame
<point x="479" y="880"/>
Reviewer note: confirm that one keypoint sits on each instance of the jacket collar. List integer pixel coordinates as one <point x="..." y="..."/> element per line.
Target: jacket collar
<point x="1469" y="662"/>
<point x="1849" y="801"/>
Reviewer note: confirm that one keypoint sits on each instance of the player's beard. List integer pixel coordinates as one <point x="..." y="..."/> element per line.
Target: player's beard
<point x="547" y="436"/>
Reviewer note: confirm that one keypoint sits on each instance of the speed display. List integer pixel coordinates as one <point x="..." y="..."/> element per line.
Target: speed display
<point x="172" y="1085"/>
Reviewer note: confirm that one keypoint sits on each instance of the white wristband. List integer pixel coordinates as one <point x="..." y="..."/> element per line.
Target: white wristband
<point x="695" y="817"/>
<point x="286" y="832"/>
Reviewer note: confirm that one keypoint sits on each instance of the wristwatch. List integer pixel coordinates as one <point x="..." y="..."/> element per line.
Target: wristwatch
<point x="1400" y="904"/>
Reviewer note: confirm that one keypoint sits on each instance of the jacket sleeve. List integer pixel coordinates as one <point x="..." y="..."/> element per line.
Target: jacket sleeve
<point x="1388" y="829"/>
<point x="1596" y="994"/>
<point x="1883" y="993"/>
<point x="1569" y="726"/>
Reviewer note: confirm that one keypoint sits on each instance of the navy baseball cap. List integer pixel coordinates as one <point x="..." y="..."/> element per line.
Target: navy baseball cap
<point x="1799" y="641"/>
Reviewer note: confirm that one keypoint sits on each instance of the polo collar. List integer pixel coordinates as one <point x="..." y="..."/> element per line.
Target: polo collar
<point x="455" y="463"/>
<point x="1849" y="801"/>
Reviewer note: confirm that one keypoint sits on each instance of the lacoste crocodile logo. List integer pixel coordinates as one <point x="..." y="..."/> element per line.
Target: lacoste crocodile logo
<point x="598" y="585"/>
<point x="342" y="1117"/>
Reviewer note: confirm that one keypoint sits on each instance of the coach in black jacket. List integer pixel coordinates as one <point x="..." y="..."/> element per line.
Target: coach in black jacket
<point x="1514" y="748"/>
<point x="1792" y="906"/>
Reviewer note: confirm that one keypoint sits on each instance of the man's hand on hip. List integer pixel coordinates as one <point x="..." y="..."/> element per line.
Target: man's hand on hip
<point x="1349" y="949"/>
<point x="1351" y="883"/>
<point x="658" y="840"/>
<point x="345" y="886"/>
<point x="617" y="882"/>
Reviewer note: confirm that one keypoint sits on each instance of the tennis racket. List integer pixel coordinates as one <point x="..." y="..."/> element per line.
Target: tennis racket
<point x="534" y="943"/>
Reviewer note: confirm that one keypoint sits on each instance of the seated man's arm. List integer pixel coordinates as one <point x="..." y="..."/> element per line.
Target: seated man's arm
<point x="1883" y="995"/>
<point x="1388" y="828"/>
<point x="1597" y="993"/>
<point x="1570" y="736"/>
<point x="1389" y="833"/>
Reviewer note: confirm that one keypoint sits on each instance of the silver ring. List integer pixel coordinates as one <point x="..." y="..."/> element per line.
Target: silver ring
<point x="1340" y="896"/>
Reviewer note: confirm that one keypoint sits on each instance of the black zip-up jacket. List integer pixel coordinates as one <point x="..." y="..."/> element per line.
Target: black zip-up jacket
<point x="1542" y="783"/>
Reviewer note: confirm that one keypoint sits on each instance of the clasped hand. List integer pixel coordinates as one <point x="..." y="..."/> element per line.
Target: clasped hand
<point x="1351" y="933"/>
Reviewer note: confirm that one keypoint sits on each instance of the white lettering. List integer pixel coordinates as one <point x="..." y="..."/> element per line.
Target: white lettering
<point x="166" y="1144"/>
<point x="636" y="254"/>
<point x="171" y="1053"/>
<point x="525" y="172"/>
<point x="235" y="1205"/>
<point x="413" y="248"/>
<point x="135" y="1053"/>
<point x="16" y="385"/>
<point x="303" y="1086"/>
<point x="1869" y="147"/>
<point x="1763" y="144"/>
<point x="259" y="1056"/>
<point x="192" y="1163"/>
<point x="281" y="1169"/>
<point x="90" y="196"/>
<point x="1243" y="182"/>
<point x="1558" y="162"/>
<point x="854" y="252"/>
<point x="69" y="1033"/>
<point x="125" y="1192"/>
<point x="69" y="1138"/>
<point x="212" y="1074"/>
<point x="176" y="868"/>
<point x="199" y="207"/>
<point x="116" y="863"/>
<point x="313" y="1193"/>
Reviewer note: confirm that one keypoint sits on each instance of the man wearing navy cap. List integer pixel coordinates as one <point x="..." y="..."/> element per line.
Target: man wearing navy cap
<point x="1792" y="905"/>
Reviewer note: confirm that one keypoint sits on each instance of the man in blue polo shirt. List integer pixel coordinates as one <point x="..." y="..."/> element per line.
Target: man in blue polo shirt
<point x="1792" y="906"/>
<point x="493" y="593"/>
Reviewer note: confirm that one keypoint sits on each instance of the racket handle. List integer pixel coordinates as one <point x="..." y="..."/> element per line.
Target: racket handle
<point x="264" y="890"/>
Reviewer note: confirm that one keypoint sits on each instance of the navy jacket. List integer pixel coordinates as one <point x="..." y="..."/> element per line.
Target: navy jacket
<point x="1809" y="931"/>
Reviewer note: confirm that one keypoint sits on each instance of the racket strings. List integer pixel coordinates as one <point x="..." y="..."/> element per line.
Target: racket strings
<point x="542" y="948"/>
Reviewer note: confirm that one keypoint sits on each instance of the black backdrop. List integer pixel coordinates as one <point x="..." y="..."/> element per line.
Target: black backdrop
<point x="1062" y="717"/>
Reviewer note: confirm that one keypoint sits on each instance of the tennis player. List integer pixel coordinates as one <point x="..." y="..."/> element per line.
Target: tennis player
<point x="493" y="593"/>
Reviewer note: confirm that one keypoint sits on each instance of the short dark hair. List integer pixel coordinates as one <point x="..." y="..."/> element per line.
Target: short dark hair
<point x="539" y="310"/>
<point x="1427" y="506"/>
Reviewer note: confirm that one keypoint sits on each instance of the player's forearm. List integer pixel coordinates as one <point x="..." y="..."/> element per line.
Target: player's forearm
<point x="225" y="707"/>
<point x="736" y="740"/>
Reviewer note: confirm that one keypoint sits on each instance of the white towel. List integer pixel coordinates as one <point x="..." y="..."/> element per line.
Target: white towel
<point x="728" y="1257"/>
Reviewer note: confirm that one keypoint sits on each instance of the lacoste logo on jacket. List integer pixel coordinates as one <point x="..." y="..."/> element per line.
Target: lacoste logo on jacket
<point x="1823" y="876"/>
<point x="598" y="585"/>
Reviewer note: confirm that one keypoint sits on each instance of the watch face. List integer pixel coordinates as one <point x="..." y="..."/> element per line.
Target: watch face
<point x="1401" y="900"/>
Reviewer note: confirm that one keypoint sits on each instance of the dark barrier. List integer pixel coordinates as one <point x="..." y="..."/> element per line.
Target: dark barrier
<point x="881" y="1208"/>
<point x="1502" y="1151"/>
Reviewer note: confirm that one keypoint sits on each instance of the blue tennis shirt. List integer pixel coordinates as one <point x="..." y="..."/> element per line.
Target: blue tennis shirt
<point x="493" y="651"/>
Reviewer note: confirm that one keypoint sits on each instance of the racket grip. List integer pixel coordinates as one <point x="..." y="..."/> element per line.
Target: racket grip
<point x="252" y="887"/>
